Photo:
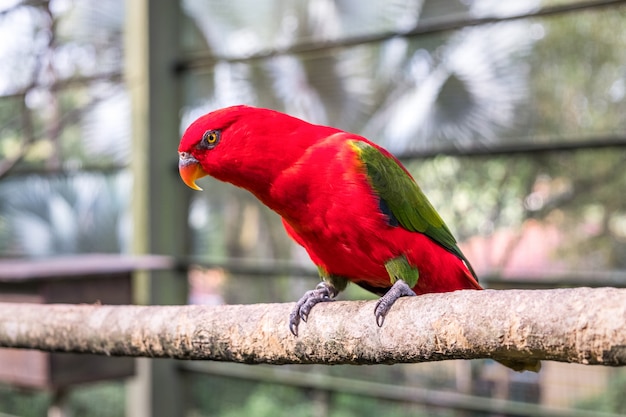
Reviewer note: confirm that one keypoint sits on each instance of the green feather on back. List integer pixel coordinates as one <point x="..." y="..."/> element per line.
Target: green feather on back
<point x="404" y="198"/>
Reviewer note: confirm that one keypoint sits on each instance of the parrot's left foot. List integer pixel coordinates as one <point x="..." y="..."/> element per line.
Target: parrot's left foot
<point x="399" y="289"/>
<point x="322" y="293"/>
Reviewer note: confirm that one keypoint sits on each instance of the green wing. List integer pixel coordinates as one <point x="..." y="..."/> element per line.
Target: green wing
<point x="404" y="199"/>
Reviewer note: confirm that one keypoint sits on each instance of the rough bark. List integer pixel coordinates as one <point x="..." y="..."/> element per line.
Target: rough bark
<point x="579" y="325"/>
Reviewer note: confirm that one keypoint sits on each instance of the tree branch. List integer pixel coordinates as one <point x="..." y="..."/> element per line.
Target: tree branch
<point x="579" y="325"/>
<point x="28" y="138"/>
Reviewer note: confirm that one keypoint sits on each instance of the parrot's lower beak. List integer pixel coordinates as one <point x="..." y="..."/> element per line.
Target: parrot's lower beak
<point x="190" y="170"/>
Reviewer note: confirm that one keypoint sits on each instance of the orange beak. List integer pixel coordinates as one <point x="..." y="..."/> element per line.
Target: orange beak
<point x="190" y="170"/>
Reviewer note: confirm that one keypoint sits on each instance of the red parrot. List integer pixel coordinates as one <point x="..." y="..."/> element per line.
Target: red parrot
<point x="352" y="205"/>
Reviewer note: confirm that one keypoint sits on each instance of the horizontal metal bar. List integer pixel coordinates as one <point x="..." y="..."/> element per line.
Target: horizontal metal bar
<point x="78" y="266"/>
<point x="600" y="279"/>
<point x="415" y="395"/>
<point x="550" y="279"/>
<point x="114" y="76"/>
<point x="255" y="267"/>
<point x="550" y="146"/>
<point x="522" y="147"/>
<point x="65" y="172"/>
<point x="205" y="60"/>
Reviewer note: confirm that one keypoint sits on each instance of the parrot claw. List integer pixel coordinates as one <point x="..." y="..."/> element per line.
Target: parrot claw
<point x="322" y="293"/>
<point x="399" y="289"/>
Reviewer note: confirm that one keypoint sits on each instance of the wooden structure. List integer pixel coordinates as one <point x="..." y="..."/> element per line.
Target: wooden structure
<point x="105" y="279"/>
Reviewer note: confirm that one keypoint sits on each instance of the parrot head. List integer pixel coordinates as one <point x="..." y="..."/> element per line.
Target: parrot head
<point x="202" y="145"/>
<point x="246" y="146"/>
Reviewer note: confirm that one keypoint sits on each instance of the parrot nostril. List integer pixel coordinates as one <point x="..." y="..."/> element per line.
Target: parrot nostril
<point x="185" y="156"/>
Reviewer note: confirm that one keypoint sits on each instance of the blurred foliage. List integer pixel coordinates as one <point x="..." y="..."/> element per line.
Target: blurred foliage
<point x="104" y="399"/>
<point x="578" y="76"/>
<point x="63" y="107"/>
<point x="571" y="191"/>
<point x="270" y="400"/>
<point x="610" y="401"/>
<point x="23" y="403"/>
<point x="60" y="80"/>
<point x="64" y="215"/>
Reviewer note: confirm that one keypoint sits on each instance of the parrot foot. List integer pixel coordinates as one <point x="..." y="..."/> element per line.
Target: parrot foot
<point x="399" y="289"/>
<point x="322" y="293"/>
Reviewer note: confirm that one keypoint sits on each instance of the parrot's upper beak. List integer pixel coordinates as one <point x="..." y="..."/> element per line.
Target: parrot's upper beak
<point x="190" y="170"/>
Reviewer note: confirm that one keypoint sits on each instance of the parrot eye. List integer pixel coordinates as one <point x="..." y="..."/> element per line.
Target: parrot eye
<point x="210" y="139"/>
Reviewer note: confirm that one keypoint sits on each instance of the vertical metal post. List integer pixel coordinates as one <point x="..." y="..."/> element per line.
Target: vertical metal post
<point x="160" y="202"/>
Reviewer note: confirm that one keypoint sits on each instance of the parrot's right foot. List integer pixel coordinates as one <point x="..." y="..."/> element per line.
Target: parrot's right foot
<point x="398" y="289"/>
<point x="322" y="293"/>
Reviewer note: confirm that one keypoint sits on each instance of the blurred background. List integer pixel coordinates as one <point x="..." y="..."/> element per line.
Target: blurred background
<point x="509" y="114"/>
